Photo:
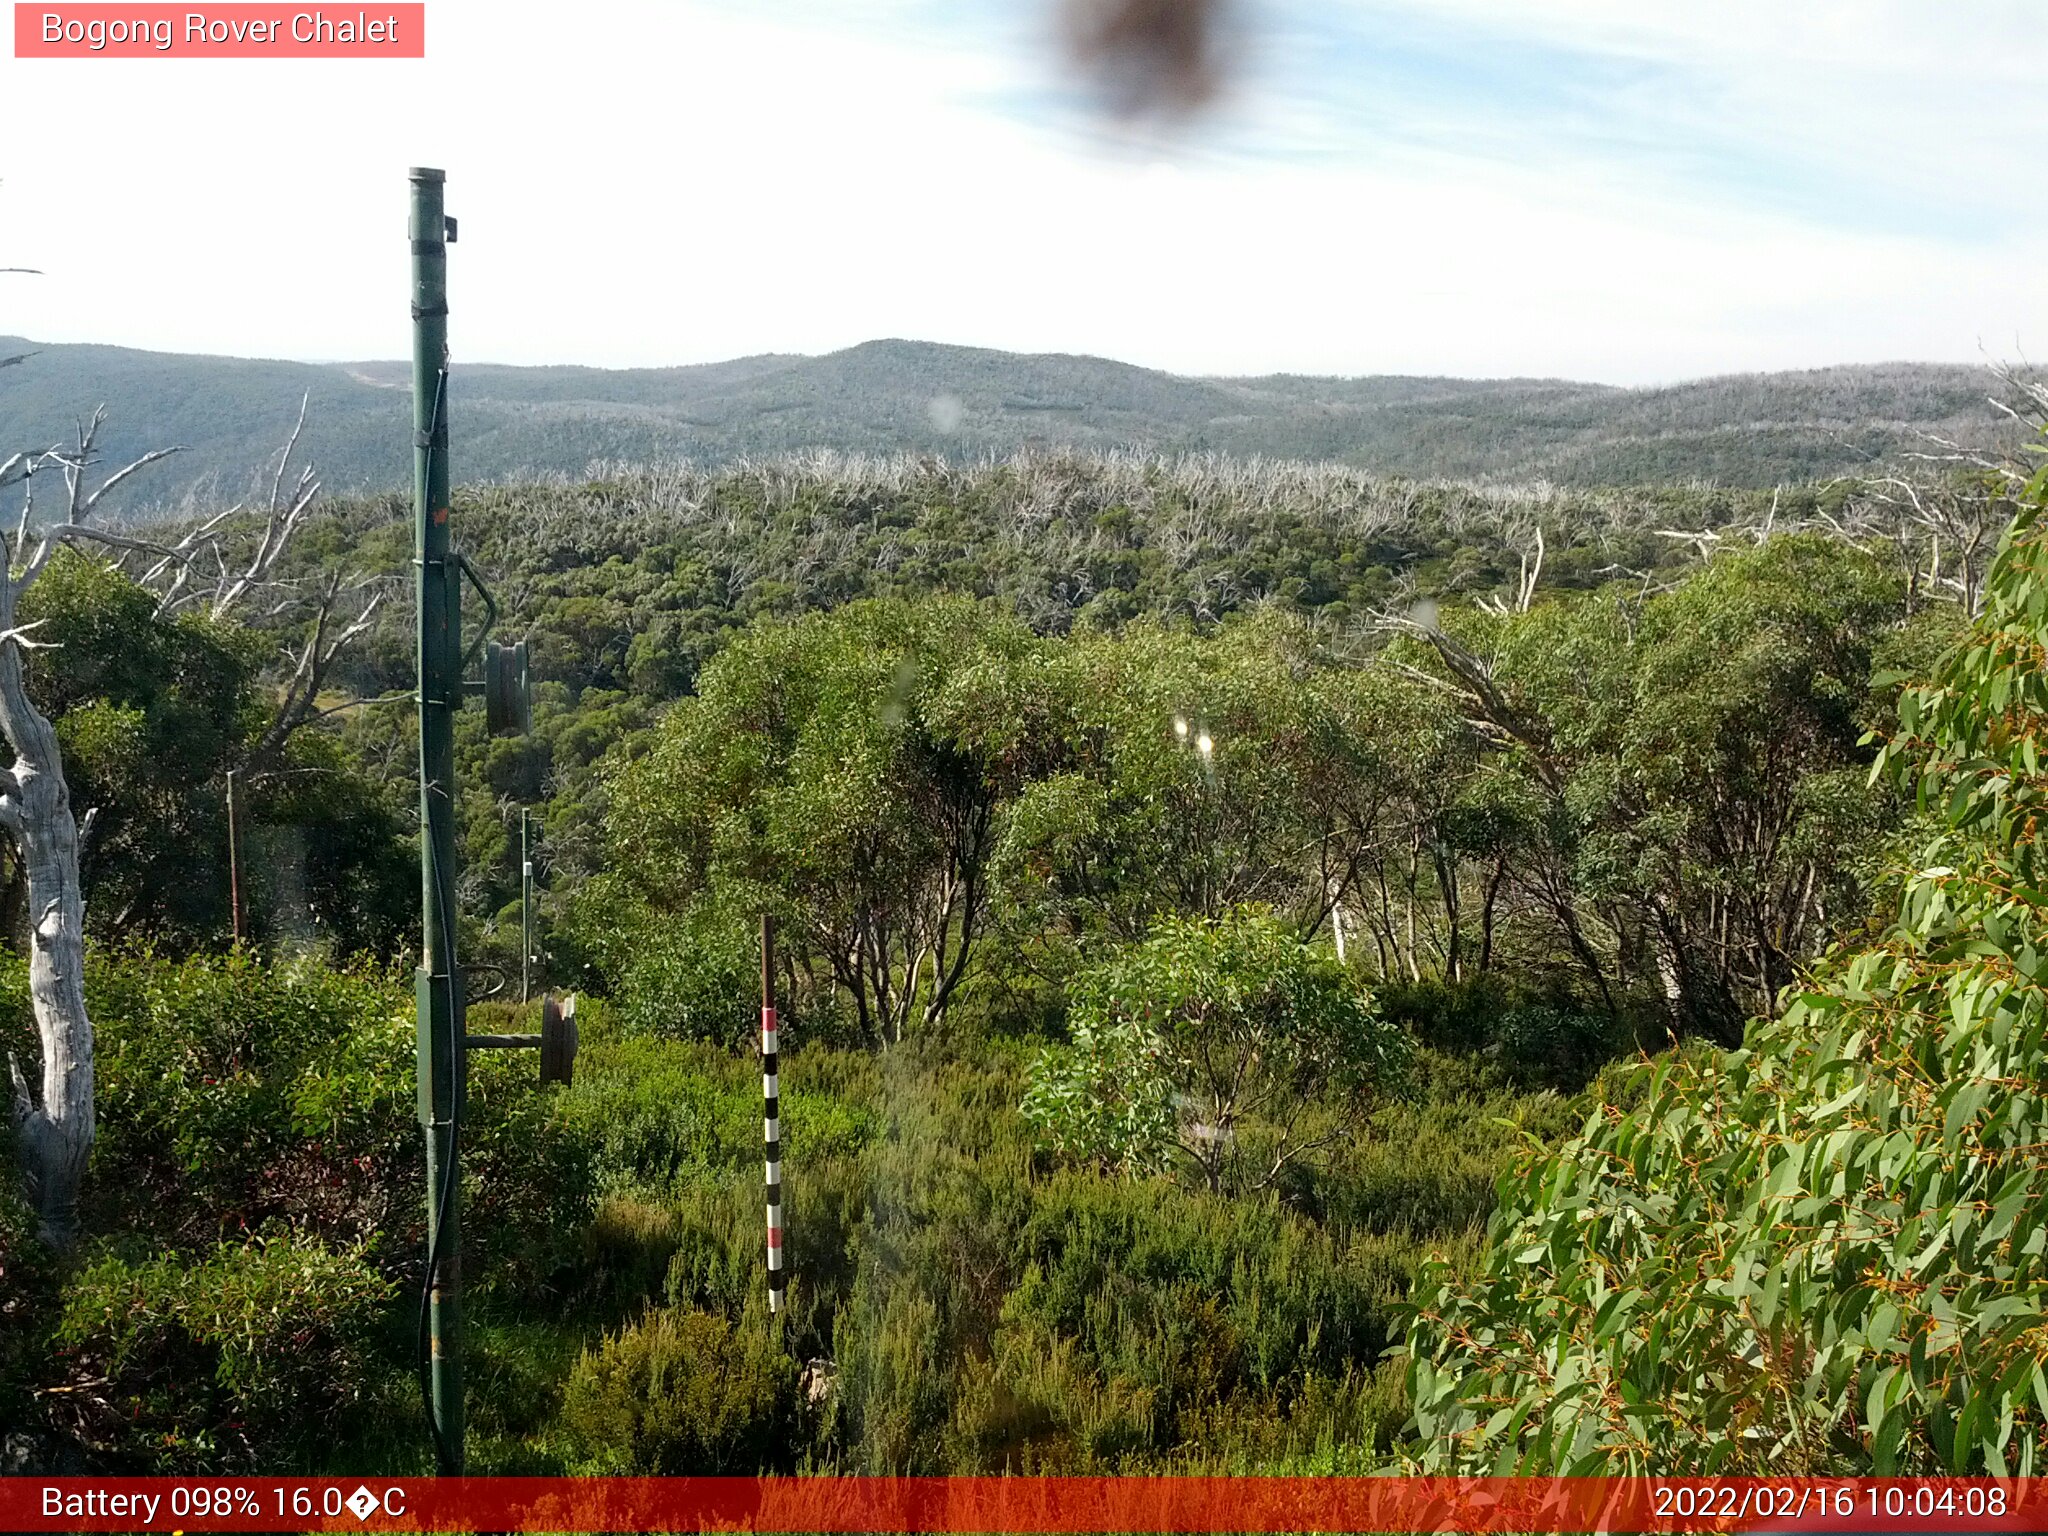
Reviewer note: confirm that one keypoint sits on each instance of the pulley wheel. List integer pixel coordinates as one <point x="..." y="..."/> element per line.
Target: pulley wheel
<point x="557" y="1039"/>
<point x="508" y="698"/>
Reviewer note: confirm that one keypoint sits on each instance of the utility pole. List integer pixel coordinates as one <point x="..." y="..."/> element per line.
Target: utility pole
<point x="525" y="908"/>
<point x="234" y="867"/>
<point x="442" y="1056"/>
<point x="444" y="1045"/>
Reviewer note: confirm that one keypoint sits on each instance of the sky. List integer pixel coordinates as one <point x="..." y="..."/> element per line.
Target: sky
<point x="1629" y="191"/>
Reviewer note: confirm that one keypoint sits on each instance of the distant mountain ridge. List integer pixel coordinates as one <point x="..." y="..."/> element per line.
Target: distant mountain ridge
<point x="1745" y="430"/>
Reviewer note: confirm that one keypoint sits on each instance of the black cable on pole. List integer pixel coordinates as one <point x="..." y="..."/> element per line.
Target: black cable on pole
<point x="448" y="1176"/>
<point x="449" y="1154"/>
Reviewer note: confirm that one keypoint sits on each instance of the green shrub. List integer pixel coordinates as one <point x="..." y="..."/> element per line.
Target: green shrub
<point x="28" y="1275"/>
<point x="236" y="1362"/>
<point x="1003" y="998"/>
<point x="688" y="976"/>
<point x="719" y="1257"/>
<point x="1340" y="1425"/>
<point x="721" y="1244"/>
<point x="934" y="1259"/>
<point x="978" y="1311"/>
<point x="898" y="1377"/>
<point x="1457" y="1017"/>
<point x="238" y="1093"/>
<point x="627" y="1249"/>
<point x="1125" y="1269"/>
<point x="1548" y="1045"/>
<point x="674" y="1131"/>
<point x="1537" y="1037"/>
<point x="682" y="1393"/>
<point x="1429" y="1166"/>
<point x="234" y="1092"/>
<point x="1222" y="1049"/>
<point x="1092" y="1324"/>
<point x="527" y="1186"/>
<point x="659" y="1115"/>
<point x="517" y="1363"/>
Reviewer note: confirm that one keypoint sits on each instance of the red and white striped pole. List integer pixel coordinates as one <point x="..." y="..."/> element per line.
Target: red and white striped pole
<point x="771" y="1118"/>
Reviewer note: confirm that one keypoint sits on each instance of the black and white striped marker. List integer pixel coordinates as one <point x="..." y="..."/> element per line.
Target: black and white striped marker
<point x="771" y="1118"/>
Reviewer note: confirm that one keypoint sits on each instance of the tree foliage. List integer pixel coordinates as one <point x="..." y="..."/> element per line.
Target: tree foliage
<point x="1687" y="792"/>
<point x="153" y="713"/>
<point x="1130" y="756"/>
<point x="629" y="585"/>
<point x="848" y="770"/>
<point x="1823" y="1251"/>
<point x="1651" y="805"/>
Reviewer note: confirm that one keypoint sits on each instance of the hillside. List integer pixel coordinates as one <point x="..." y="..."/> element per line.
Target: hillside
<point x="1746" y="430"/>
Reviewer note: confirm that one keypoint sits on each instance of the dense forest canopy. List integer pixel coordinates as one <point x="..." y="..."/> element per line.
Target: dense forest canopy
<point x="1275" y="596"/>
<point x="1078" y="784"/>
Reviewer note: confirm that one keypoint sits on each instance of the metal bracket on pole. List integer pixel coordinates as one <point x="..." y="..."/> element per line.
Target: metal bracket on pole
<point x="505" y="685"/>
<point x="483" y="590"/>
<point x="556" y="1041"/>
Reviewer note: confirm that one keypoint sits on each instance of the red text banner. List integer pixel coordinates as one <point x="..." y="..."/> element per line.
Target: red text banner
<point x="233" y="31"/>
<point x="1024" y="1504"/>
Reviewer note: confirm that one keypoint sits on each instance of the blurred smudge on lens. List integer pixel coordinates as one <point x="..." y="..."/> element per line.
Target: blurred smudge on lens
<point x="945" y="413"/>
<point x="1147" y="58"/>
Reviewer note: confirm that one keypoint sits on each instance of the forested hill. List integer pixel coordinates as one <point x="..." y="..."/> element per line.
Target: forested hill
<point x="1747" y="430"/>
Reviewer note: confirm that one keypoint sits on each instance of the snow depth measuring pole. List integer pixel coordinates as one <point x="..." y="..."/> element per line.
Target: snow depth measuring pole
<point x="771" y="1112"/>
<point x="444" y="1046"/>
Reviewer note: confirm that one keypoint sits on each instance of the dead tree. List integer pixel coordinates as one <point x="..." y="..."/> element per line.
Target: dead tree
<point x="233" y="561"/>
<point x="218" y="566"/>
<point x="1942" y="532"/>
<point x="1525" y="584"/>
<point x="53" y="1119"/>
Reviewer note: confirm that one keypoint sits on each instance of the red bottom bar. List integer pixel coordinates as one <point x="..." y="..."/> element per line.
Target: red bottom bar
<point x="1025" y="1504"/>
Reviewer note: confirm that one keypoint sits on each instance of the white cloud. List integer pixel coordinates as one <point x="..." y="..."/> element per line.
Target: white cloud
<point x="650" y="181"/>
<point x="1923" y="100"/>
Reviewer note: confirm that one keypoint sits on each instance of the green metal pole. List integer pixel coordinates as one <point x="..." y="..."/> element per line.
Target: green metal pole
<point x="441" y="1054"/>
<point x="525" y="909"/>
<point x="234" y="868"/>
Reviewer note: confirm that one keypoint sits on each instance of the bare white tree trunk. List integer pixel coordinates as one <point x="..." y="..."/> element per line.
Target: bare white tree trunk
<point x="53" y="1119"/>
<point x="54" y="1128"/>
<point x="53" y="1125"/>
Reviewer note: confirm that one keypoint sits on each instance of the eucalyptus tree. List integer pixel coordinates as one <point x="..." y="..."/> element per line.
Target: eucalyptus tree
<point x="1820" y="1253"/>
<point x="215" y="567"/>
<point x="1196" y="774"/>
<point x="1693" y="766"/>
<point x="848" y="771"/>
<point x="53" y="1118"/>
